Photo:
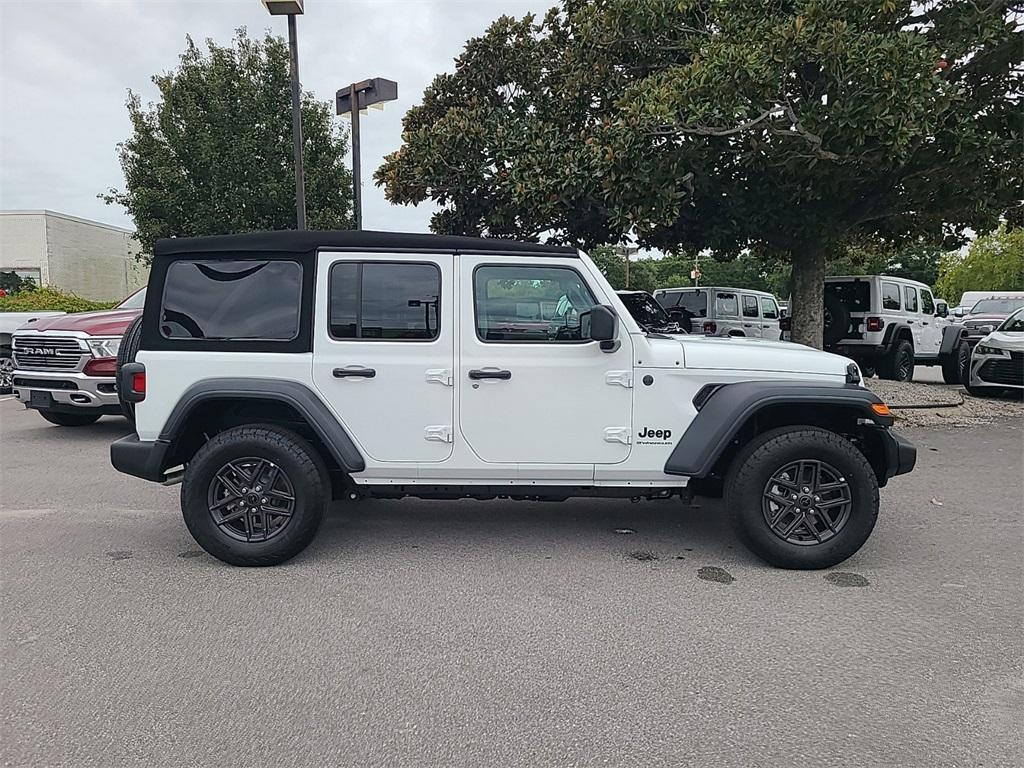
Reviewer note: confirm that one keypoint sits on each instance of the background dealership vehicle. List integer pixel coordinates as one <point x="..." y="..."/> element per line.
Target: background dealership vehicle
<point x="890" y="324"/>
<point x="9" y="323"/>
<point x="277" y="370"/>
<point x="970" y="298"/>
<point x="723" y="311"/>
<point x="989" y="312"/>
<point x="648" y="313"/>
<point x="997" y="361"/>
<point x="64" y="367"/>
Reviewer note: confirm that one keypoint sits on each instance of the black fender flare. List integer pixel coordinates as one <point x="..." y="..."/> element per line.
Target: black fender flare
<point x="722" y="409"/>
<point x="892" y="331"/>
<point x="951" y="336"/>
<point x="300" y="397"/>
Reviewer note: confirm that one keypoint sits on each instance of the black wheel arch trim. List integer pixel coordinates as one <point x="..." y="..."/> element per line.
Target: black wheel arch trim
<point x="300" y="397"/>
<point x="951" y="336"/>
<point x="726" y="408"/>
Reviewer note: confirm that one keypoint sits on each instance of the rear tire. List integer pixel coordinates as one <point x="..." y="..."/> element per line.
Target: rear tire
<point x="70" y="419"/>
<point x="126" y="354"/>
<point x="954" y="367"/>
<point x="244" y="458"/>
<point x="898" y="365"/>
<point x="753" y="483"/>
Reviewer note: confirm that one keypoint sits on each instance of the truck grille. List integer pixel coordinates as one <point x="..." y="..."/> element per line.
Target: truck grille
<point x="1004" y="371"/>
<point x="48" y="353"/>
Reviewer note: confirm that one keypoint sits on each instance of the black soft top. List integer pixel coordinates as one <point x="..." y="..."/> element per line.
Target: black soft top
<point x="291" y="241"/>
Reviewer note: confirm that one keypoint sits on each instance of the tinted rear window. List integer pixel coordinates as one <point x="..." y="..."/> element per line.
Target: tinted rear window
<point x="856" y="297"/>
<point x="232" y="300"/>
<point x="694" y="302"/>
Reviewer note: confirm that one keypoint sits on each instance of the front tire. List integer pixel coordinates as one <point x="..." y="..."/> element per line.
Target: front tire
<point x="954" y="367"/>
<point x="70" y="419"/>
<point x="803" y="497"/>
<point x="255" y="495"/>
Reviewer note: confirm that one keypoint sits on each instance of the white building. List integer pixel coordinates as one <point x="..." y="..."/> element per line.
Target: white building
<point x="94" y="260"/>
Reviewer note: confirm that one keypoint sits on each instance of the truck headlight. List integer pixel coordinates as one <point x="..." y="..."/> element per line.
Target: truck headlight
<point x="104" y="347"/>
<point x="984" y="349"/>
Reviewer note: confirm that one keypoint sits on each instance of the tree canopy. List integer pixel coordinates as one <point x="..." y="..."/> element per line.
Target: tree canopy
<point x="214" y="154"/>
<point x="994" y="262"/>
<point x="789" y="128"/>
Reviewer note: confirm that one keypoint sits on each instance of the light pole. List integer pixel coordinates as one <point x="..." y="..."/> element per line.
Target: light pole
<point x="291" y="9"/>
<point x="625" y="251"/>
<point x="351" y="100"/>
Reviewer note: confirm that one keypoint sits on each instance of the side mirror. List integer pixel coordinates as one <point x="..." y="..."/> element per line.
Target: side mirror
<point x="986" y="329"/>
<point x="958" y="312"/>
<point x="783" y="312"/>
<point x="604" y="327"/>
<point x="941" y="309"/>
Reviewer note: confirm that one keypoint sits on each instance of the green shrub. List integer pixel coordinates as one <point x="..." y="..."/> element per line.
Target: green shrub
<point x="49" y="299"/>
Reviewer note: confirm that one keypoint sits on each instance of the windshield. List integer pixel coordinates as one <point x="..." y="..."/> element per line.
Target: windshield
<point x="136" y="301"/>
<point x="1014" y="323"/>
<point x="996" y="306"/>
<point x="645" y="310"/>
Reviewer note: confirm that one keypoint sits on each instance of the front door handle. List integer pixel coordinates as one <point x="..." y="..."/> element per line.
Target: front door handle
<point x="747" y="325"/>
<point x="503" y="375"/>
<point x="359" y="373"/>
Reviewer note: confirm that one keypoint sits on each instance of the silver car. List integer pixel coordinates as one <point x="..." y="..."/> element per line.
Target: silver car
<point x="998" y="359"/>
<point x="723" y="311"/>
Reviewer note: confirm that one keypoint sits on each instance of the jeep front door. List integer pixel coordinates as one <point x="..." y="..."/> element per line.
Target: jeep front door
<point x="532" y="387"/>
<point x="384" y="351"/>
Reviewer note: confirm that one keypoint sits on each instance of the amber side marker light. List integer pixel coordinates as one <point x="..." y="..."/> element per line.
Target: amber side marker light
<point x="881" y="409"/>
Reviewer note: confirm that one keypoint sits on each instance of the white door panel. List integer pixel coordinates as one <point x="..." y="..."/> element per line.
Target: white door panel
<point x="394" y="395"/>
<point x="539" y="402"/>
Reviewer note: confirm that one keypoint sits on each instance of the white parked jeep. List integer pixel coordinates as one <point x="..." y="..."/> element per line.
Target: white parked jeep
<point x="890" y="324"/>
<point x="275" y="371"/>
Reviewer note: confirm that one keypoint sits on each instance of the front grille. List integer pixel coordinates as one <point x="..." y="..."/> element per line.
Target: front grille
<point x="1009" y="372"/>
<point x="48" y="353"/>
<point x="24" y="381"/>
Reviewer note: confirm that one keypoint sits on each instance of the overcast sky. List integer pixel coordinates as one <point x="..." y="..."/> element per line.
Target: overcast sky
<point x="65" y="68"/>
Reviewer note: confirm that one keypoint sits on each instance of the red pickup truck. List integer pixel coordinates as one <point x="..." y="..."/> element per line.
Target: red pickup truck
<point x="64" y="366"/>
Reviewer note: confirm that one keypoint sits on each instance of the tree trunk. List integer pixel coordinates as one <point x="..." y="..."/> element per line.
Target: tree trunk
<point x="807" y="304"/>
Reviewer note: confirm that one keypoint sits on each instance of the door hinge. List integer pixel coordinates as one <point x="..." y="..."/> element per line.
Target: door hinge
<point x="440" y="434"/>
<point x="618" y="435"/>
<point x="622" y="378"/>
<point x="440" y="375"/>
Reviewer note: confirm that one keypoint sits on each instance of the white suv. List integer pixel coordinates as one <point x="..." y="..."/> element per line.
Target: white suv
<point x="723" y="311"/>
<point x="274" y="371"/>
<point x="890" y="324"/>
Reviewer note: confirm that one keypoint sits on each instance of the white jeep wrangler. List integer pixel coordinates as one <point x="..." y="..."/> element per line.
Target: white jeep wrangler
<point x="272" y="372"/>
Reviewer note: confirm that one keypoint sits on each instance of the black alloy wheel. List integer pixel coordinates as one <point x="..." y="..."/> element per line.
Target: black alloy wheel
<point x="806" y="502"/>
<point x="251" y="499"/>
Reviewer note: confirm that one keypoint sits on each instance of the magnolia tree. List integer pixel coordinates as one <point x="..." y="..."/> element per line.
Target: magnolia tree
<point x="214" y="154"/>
<point x="785" y="129"/>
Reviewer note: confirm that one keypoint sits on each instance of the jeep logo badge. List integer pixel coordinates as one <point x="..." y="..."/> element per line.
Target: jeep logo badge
<point x="654" y="435"/>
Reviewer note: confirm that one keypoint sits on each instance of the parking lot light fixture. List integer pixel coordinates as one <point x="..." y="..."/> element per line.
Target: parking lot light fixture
<point x="351" y="101"/>
<point x="291" y="9"/>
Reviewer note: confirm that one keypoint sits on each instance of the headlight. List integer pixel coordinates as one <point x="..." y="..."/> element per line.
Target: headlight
<point x="984" y="349"/>
<point x="104" y="347"/>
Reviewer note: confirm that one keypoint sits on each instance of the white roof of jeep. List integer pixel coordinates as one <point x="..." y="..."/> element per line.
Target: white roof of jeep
<point x="887" y="278"/>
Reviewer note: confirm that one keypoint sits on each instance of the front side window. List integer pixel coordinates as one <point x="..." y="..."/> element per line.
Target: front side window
<point x="385" y="301"/>
<point x="726" y="304"/>
<point x="890" y="296"/>
<point x="911" y="295"/>
<point x="750" y="306"/>
<point x="531" y="304"/>
<point x="769" y="309"/>
<point x="243" y="299"/>
<point x="927" y="303"/>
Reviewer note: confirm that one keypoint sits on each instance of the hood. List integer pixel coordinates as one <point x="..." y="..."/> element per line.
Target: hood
<point x="109" y="322"/>
<point x="743" y="354"/>
<point x="1002" y="340"/>
<point x="986" y="317"/>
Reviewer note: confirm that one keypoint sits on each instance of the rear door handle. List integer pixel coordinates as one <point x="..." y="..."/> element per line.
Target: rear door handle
<point x="747" y="325"/>
<point x="359" y="373"/>
<point x="478" y="374"/>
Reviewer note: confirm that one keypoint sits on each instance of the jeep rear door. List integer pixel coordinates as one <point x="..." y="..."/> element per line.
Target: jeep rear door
<point x="384" y="351"/>
<point x="532" y="387"/>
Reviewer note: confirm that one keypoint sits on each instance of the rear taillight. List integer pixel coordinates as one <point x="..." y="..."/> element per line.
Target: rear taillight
<point x="710" y="327"/>
<point x="139" y="383"/>
<point x="875" y="324"/>
<point x="101" y="366"/>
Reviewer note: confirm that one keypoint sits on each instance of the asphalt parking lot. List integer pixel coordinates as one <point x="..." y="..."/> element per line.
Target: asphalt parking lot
<point x="506" y="634"/>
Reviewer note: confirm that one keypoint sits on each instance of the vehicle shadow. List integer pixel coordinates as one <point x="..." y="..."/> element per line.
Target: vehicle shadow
<point x="646" y="530"/>
<point x="108" y="427"/>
